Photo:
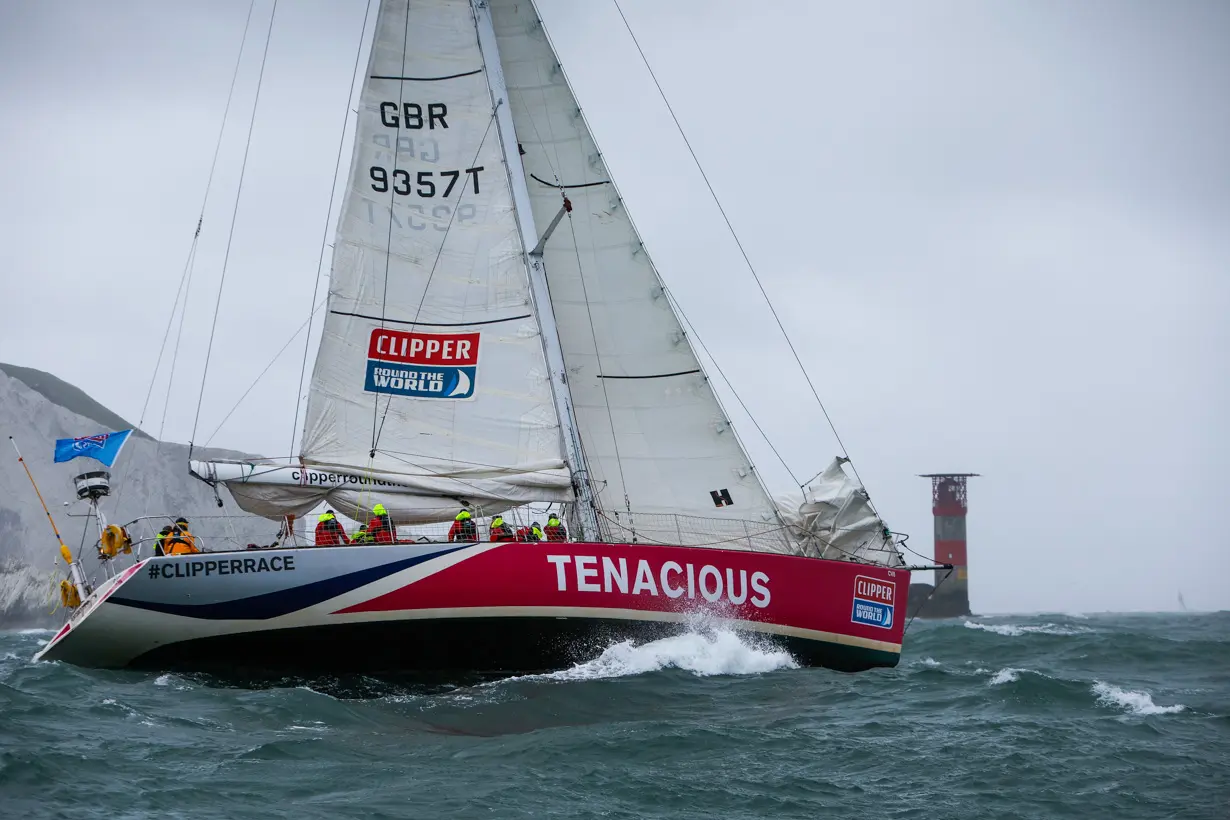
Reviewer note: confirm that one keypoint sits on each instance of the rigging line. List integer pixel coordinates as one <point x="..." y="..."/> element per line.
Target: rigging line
<point x="731" y="387"/>
<point x="388" y="245"/>
<point x="376" y="433"/>
<point x="541" y="144"/>
<point x="186" y="276"/>
<point x="306" y="324"/>
<point x="619" y="463"/>
<point x="243" y="166"/>
<point x="324" y="239"/>
<point x="738" y="243"/>
<point x="179" y="336"/>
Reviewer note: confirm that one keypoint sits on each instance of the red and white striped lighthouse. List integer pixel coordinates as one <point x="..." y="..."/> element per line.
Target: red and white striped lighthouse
<point x="949" y="504"/>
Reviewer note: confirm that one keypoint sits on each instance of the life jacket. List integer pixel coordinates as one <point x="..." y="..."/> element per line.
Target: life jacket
<point x="556" y="531"/>
<point x="362" y="536"/>
<point x="536" y="532"/>
<point x="329" y="533"/>
<point x="463" y="529"/>
<point x="380" y="530"/>
<point x="180" y="542"/>
<point x="501" y="531"/>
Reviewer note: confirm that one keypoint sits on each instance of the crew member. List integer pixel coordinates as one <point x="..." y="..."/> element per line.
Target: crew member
<point x="463" y="528"/>
<point x="160" y="539"/>
<point x="180" y="541"/>
<point x="362" y="536"/>
<point x="501" y="531"/>
<point x="555" y="531"/>
<point x="329" y="532"/>
<point x="380" y="528"/>
<point x="530" y="533"/>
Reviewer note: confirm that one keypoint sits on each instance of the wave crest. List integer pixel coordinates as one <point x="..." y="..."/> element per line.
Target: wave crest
<point x="1136" y="703"/>
<point x="1016" y="631"/>
<point x="718" y="652"/>
<point x="1006" y="675"/>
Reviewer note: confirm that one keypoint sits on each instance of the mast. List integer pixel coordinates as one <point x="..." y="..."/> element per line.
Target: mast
<point x="532" y="247"/>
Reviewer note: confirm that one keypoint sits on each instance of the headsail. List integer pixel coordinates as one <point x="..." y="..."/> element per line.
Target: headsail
<point x="430" y="374"/>
<point x="656" y="440"/>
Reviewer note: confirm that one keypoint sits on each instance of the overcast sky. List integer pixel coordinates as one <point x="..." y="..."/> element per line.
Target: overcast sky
<point x="998" y="234"/>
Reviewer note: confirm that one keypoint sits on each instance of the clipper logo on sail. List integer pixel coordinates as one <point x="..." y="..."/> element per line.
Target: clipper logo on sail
<point x="873" y="601"/>
<point x="422" y="365"/>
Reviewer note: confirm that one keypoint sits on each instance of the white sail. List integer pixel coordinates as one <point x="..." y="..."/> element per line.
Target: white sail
<point x="430" y="371"/>
<point x="656" y="440"/>
<point x="431" y="387"/>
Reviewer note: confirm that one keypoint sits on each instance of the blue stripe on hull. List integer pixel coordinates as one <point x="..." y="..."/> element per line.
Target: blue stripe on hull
<point x="282" y="601"/>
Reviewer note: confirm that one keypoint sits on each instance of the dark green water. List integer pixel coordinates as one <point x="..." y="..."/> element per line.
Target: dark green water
<point x="1107" y="716"/>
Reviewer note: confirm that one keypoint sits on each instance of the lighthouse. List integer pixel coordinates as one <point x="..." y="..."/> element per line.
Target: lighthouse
<point x="949" y="505"/>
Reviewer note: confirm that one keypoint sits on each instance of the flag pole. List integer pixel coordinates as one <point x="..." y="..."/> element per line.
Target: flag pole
<point x="65" y="552"/>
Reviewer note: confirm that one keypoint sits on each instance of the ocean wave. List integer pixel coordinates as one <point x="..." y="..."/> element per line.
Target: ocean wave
<point x="720" y="652"/>
<point x="1136" y="703"/>
<point x="1005" y="675"/>
<point x="1017" y="630"/>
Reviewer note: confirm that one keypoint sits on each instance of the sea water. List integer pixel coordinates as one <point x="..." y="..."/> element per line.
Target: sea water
<point x="1044" y="716"/>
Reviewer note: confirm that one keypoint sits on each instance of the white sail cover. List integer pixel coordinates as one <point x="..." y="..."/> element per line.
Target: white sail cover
<point x="431" y="373"/>
<point x="655" y="438"/>
<point x="834" y="519"/>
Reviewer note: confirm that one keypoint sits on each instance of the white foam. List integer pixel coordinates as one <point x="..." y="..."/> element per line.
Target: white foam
<point x="1015" y="631"/>
<point x="1006" y="675"/>
<point x="719" y="652"/>
<point x="1136" y="703"/>
<point x="930" y="663"/>
<point x="36" y="632"/>
<point x="162" y="680"/>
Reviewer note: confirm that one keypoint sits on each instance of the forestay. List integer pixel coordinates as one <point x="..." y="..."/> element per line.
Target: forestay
<point x="656" y="440"/>
<point x="430" y="375"/>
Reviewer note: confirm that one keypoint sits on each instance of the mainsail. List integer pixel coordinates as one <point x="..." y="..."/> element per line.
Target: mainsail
<point x="430" y="387"/>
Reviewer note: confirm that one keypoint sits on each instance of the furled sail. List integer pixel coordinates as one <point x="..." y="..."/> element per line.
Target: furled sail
<point x="656" y="440"/>
<point x="833" y="518"/>
<point x="430" y="375"/>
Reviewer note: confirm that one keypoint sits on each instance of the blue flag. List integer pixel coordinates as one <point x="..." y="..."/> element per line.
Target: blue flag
<point x="104" y="447"/>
